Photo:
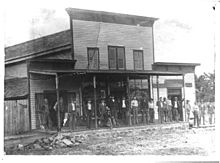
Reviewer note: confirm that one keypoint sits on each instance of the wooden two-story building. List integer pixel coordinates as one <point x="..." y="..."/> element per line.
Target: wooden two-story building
<point x="103" y="54"/>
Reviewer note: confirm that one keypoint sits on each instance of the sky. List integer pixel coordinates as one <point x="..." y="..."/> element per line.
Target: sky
<point x="183" y="33"/>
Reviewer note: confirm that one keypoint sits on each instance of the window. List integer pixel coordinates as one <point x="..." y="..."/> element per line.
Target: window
<point x="138" y="60"/>
<point x="116" y="56"/>
<point x="93" y="58"/>
<point x="138" y="83"/>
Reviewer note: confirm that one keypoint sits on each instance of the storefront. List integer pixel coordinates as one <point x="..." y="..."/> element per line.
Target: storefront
<point x="85" y="85"/>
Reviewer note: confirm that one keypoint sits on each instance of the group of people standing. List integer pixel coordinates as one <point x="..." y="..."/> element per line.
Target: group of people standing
<point x="116" y="111"/>
<point x="48" y="116"/>
<point x="168" y="110"/>
<point x="123" y="111"/>
<point x="201" y="112"/>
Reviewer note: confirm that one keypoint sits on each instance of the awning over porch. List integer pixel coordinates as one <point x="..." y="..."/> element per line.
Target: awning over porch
<point x="97" y="72"/>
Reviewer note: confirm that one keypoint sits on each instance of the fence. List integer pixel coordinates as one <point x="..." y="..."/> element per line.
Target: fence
<point x="16" y="117"/>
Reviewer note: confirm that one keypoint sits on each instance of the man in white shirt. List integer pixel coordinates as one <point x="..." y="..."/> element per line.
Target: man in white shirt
<point x="134" y="106"/>
<point x="169" y="108"/>
<point x="151" y="110"/>
<point x="89" y="114"/>
<point x="124" y="109"/>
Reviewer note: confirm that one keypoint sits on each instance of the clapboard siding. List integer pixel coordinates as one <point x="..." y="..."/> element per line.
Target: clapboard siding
<point x="16" y="117"/>
<point x="101" y="35"/>
<point x="38" y="86"/>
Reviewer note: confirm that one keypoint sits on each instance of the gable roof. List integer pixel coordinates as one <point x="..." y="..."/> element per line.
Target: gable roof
<point x="16" y="88"/>
<point x="31" y="48"/>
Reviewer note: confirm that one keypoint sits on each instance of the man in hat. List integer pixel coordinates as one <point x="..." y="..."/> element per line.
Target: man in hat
<point x="175" y="108"/>
<point x="165" y="109"/>
<point x="145" y="111"/>
<point x="61" y="103"/>
<point x="46" y="114"/>
<point x="72" y="112"/>
<point x="89" y="113"/>
<point x="196" y="114"/>
<point x="124" y="106"/>
<point x="114" y="111"/>
<point x="202" y="109"/>
<point x="169" y="109"/>
<point x="151" y="110"/>
<point x="102" y="111"/>
<point x="188" y="109"/>
<point x="160" y="109"/>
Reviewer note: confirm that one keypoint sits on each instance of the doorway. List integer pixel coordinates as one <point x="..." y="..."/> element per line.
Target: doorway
<point x="176" y="92"/>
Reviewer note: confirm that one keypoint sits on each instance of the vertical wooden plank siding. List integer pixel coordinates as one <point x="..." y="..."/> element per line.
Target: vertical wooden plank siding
<point x="5" y="118"/>
<point x="16" y="117"/>
<point x="19" y="118"/>
<point x="11" y="116"/>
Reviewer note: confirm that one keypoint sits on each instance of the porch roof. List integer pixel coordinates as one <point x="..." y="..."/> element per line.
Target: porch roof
<point x="175" y="64"/>
<point x="127" y="72"/>
<point x="16" y="88"/>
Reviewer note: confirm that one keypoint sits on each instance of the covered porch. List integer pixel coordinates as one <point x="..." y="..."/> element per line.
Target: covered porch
<point x="94" y="85"/>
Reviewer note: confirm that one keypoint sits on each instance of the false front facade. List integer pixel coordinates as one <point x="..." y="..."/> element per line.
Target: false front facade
<point x="102" y="55"/>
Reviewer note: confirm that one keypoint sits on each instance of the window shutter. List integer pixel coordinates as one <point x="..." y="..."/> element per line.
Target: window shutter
<point x="121" y="58"/>
<point x="93" y="58"/>
<point x="138" y="60"/>
<point x="112" y="57"/>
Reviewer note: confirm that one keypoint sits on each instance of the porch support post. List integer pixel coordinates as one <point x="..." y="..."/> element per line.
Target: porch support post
<point x="184" y="102"/>
<point x="128" y="115"/>
<point x="58" y="103"/>
<point x="158" y="92"/>
<point x="108" y="87"/>
<point x="95" y="106"/>
<point x="149" y="89"/>
<point x="29" y="94"/>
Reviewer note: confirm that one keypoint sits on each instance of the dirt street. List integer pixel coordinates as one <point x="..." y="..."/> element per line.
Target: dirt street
<point x="194" y="141"/>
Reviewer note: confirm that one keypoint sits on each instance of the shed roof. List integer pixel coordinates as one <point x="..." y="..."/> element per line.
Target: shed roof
<point x="175" y="64"/>
<point x="39" y="45"/>
<point x="16" y="88"/>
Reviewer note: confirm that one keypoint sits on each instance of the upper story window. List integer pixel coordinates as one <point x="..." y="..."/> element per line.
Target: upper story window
<point x="116" y="57"/>
<point x="138" y="60"/>
<point x="93" y="58"/>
